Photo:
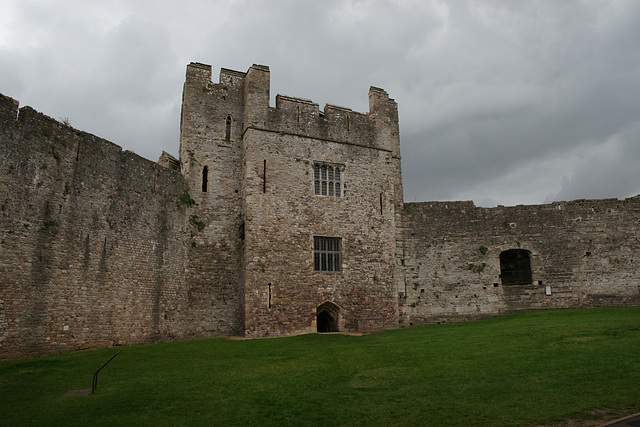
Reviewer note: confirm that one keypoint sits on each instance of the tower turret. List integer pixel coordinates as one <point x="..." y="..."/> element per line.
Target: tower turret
<point x="256" y="96"/>
<point x="211" y="161"/>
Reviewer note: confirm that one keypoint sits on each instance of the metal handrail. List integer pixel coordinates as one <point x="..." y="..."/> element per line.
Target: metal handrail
<point x="94" y="385"/>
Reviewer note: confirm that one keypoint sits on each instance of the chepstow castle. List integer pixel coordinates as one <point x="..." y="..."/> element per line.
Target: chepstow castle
<point x="275" y="220"/>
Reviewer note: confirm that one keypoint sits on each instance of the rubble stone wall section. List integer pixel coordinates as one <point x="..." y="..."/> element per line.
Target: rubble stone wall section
<point x="284" y="215"/>
<point x="583" y="253"/>
<point x="92" y="241"/>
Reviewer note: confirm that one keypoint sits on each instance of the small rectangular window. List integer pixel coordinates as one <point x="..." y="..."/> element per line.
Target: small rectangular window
<point x="227" y="131"/>
<point x="327" y="254"/>
<point x="205" y="178"/>
<point x="264" y="177"/>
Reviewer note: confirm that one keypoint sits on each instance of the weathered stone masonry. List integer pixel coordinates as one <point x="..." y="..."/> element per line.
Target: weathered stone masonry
<point x="101" y="247"/>
<point x="260" y="206"/>
<point x="583" y="253"/>
<point x="93" y="241"/>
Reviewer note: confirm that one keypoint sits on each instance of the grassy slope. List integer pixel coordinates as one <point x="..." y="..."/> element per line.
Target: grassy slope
<point x="525" y="369"/>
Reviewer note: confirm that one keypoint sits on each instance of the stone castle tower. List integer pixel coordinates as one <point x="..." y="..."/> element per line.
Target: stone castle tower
<point x="298" y="206"/>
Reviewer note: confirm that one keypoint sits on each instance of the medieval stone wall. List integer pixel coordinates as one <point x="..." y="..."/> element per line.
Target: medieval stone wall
<point x="583" y="253"/>
<point x="93" y="241"/>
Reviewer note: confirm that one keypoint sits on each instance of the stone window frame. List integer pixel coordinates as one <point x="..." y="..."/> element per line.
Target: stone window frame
<point x="327" y="254"/>
<point x="328" y="179"/>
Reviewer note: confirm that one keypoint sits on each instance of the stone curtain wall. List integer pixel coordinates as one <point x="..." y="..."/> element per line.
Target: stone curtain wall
<point x="586" y="251"/>
<point x="92" y="241"/>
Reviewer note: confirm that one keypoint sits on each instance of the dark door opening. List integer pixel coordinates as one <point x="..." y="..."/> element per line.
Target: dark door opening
<point x="327" y="317"/>
<point x="515" y="267"/>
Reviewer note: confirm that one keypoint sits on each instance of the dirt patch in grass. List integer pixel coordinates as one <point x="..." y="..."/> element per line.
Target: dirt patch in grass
<point x="595" y="418"/>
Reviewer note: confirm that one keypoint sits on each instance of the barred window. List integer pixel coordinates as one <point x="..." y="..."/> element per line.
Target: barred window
<point x="327" y="254"/>
<point x="326" y="180"/>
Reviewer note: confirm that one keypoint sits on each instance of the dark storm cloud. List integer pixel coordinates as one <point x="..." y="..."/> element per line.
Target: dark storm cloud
<point x="500" y="101"/>
<point x="107" y="76"/>
<point x="537" y="86"/>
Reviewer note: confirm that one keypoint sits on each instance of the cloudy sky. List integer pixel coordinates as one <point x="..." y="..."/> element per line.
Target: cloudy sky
<point x="501" y="102"/>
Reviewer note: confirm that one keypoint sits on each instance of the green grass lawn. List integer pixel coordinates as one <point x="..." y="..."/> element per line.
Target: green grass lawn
<point x="525" y="369"/>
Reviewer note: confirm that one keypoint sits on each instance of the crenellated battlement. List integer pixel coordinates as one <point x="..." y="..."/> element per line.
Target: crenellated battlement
<point x="8" y="108"/>
<point x="249" y="93"/>
<point x="303" y="117"/>
<point x="228" y="73"/>
<point x="198" y="71"/>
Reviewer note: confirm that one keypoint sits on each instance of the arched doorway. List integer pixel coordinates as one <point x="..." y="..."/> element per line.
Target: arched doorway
<point x="327" y="315"/>
<point x="515" y="267"/>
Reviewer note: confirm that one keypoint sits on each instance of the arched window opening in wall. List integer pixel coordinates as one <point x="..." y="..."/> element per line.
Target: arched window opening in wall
<point x="205" y="178"/>
<point x="515" y="267"/>
<point x="327" y="315"/>
<point x="227" y="133"/>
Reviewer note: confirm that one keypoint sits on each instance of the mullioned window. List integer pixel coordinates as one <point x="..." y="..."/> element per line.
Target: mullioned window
<point x="327" y="180"/>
